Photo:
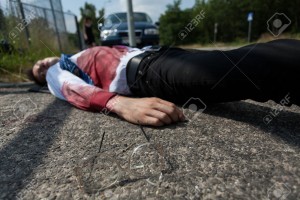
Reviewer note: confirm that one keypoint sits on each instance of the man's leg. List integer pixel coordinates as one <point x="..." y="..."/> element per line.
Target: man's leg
<point x="265" y="71"/>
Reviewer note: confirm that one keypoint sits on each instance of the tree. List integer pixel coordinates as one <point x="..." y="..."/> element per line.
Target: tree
<point x="172" y="23"/>
<point x="89" y="10"/>
<point x="2" y="24"/>
<point x="231" y="16"/>
<point x="101" y="13"/>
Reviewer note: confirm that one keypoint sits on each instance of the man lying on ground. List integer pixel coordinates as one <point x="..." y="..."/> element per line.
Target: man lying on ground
<point x="112" y="78"/>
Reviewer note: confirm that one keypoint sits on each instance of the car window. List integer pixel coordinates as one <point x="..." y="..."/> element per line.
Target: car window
<point x="122" y="17"/>
<point x="141" y="17"/>
<point x="111" y="19"/>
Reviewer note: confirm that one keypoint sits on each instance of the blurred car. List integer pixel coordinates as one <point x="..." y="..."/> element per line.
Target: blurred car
<point x="114" y="31"/>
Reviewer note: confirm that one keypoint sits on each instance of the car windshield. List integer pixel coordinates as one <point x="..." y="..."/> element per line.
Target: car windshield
<point x="122" y="17"/>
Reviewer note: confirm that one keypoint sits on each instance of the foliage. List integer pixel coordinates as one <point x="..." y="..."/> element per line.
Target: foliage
<point x="231" y="16"/>
<point x="43" y="43"/>
<point x="89" y="10"/>
<point x="2" y="23"/>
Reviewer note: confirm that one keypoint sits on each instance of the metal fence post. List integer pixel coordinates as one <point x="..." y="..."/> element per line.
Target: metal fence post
<point x="78" y="33"/>
<point x="55" y="24"/>
<point x="130" y="20"/>
<point x="23" y="18"/>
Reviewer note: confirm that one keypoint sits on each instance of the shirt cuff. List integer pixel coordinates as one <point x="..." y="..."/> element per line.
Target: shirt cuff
<point x="100" y="99"/>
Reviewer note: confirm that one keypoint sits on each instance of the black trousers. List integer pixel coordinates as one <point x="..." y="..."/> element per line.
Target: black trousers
<point x="261" y="72"/>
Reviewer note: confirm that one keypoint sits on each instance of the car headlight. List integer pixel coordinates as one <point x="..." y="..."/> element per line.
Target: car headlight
<point x="106" y="33"/>
<point x="151" y="31"/>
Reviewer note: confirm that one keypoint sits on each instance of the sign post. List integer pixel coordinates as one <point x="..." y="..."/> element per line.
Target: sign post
<point x="250" y="19"/>
<point x="215" y="32"/>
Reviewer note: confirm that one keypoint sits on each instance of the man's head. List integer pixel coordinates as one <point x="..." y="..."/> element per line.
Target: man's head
<point x="40" y="68"/>
<point x="88" y="19"/>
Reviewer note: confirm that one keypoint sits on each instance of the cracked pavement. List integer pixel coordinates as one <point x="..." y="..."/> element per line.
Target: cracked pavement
<point x="51" y="150"/>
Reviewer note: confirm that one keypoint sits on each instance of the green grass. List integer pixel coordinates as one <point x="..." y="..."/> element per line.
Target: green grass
<point x="242" y="41"/>
<point x="13" y="66"/>
<point x="43" y="44"/>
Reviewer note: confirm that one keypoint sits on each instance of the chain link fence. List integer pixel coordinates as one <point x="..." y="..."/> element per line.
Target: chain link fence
<point x="38" y="24"/>
<point x="31" y="30"/>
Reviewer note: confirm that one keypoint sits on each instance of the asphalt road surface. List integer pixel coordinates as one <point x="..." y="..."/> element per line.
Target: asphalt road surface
<point x="238" y="150"/>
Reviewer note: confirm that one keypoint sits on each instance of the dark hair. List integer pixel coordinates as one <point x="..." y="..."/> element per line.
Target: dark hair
<point x="31" y="77"/>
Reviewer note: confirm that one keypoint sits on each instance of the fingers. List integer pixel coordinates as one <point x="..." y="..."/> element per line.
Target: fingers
<point x="161" y="116"/>
<point x="152" y="121"/>
<point x="171" y="109"/>
<point x="148" y="111"/>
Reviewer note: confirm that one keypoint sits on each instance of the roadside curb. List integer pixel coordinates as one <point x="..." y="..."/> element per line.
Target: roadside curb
<point x="16" y="85"/>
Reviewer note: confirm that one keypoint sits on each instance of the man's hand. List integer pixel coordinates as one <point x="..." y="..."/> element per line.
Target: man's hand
<point x="145" y="111"/>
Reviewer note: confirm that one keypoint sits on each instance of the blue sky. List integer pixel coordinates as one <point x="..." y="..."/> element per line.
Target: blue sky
<point x="153" y="7"/>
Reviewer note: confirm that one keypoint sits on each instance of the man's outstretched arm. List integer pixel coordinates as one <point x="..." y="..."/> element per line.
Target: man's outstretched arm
<point x="71" y="88"/>
<point x="145" y="111"/>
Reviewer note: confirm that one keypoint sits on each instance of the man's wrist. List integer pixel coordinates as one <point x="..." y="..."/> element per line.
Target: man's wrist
<point x="113" y="104"/>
